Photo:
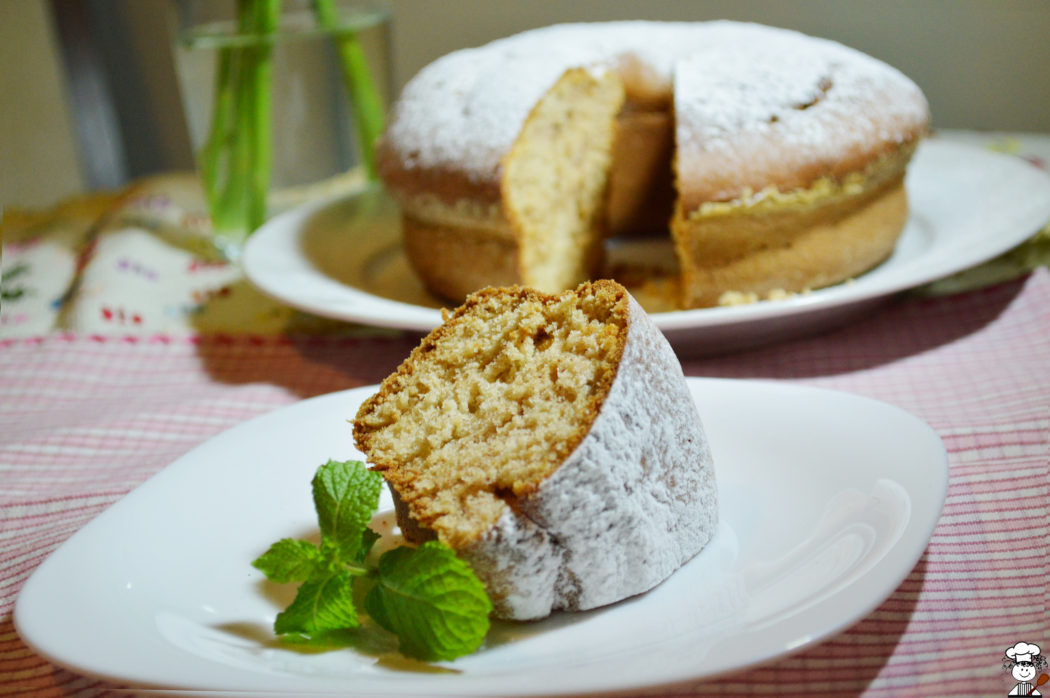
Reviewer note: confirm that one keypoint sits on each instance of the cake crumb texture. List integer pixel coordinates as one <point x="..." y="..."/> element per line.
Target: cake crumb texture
<point x="556" y="180"/>
<point x="488" y="406"/>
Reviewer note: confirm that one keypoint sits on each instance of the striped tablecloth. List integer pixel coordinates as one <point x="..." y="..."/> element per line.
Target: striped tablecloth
<point x="86" y="416"/>
<point x="83" y="419"/>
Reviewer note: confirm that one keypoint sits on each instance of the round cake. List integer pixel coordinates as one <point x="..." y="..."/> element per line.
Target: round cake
<point x="552" y="442"/>
<point x="775" y="159"/>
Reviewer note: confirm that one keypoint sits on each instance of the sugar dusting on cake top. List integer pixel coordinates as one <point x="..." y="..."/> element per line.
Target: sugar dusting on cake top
<point x="732" y="81"/>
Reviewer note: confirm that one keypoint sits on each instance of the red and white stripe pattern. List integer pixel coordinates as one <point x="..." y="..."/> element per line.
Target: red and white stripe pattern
<point x="84" y="419"/>
<point x="975" y="367"/>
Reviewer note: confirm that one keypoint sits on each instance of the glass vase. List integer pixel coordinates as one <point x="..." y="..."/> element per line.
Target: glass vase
<point x="283" y="102"/>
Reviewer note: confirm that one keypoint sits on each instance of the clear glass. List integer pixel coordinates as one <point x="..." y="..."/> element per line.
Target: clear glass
<point x="276" y="114"/>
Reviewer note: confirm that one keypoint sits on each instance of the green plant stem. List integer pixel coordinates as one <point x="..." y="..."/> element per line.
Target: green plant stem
<point x="237" y="156"/>
<point x="215" y="160"/>
<point x="365" y="100"/>
<point x="259" y="84"/>
<point x="231" y="211"/>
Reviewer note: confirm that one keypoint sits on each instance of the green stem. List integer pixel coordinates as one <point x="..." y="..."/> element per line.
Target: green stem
<point x="232" y="211"/>
<point x="215" y="147"/>
<point x="260" y="112"/>
<point x="358" y="569"/>
<point x="236" y="160"/>
<point x="365" y="99"/>
<point x="226" y="154"/>
<point x="217" y="155"/>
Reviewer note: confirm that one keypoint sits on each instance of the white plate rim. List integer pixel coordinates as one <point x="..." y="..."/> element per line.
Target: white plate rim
<point x="33" y="598"/>
<point x="273" y="263"/>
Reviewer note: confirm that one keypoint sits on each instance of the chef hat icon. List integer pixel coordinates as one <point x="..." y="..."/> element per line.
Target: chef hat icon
<point x="1022" y="651"/>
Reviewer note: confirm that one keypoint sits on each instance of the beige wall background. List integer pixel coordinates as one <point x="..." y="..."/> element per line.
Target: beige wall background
<point x="984" y="64"/>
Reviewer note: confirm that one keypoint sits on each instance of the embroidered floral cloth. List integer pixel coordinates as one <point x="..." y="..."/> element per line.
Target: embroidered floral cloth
<point x="111" y="388"/>
<point x="133" y="262"/>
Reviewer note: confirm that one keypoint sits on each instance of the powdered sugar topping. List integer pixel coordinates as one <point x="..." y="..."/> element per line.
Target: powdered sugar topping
<point x="465" y="110"/>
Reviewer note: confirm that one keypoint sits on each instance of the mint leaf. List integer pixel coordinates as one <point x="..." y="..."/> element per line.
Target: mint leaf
<point x="322" y="603"/>
<point x="368" y="539"/>
<point x="431" y="600"/>
<point x="289" y="560"/>
<point x="346" y="494"/>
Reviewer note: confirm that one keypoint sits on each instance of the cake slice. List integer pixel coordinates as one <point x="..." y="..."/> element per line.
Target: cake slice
<point x="550" y="440"/>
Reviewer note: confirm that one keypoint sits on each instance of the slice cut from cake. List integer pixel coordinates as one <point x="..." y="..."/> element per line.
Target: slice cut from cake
<point x="551" y="440"/>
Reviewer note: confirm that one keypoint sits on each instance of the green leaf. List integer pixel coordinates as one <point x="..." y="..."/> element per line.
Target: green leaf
<point x="289" y="560"/>
<point x="346" y="494"/>
<point x="368" y="539"/>
<point x="322" y="604"/>
<point x="431" y="600"/>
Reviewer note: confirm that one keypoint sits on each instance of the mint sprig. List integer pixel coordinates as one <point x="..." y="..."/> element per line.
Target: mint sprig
<point x="430" y="599"/>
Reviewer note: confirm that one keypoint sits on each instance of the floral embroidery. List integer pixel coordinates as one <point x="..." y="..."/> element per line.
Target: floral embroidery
<point x="10" y="287"/>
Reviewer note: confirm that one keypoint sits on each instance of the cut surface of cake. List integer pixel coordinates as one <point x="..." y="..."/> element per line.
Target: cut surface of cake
<point x="550" y="440"/>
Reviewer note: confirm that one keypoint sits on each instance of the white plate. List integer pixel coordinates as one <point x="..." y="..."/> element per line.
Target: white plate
<point x="342" y="259"/>
<point x="823" y="515"/>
